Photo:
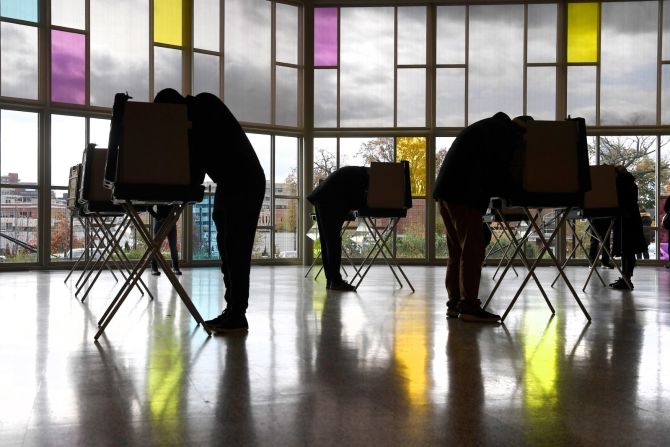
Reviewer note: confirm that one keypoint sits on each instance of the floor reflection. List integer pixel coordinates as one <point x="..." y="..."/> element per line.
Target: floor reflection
<point x="379" y="367"/>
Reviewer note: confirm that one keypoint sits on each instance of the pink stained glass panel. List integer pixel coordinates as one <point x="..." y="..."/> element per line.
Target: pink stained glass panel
<point x="68" y="67"/>
<point x="325" y="37"/>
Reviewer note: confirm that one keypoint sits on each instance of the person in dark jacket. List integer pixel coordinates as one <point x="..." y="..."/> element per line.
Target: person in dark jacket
<point x="160" y="213"/>
<point x="334" y="198"/>
<point x="478" y="166"/>
<point x="628" y="235"/>
<point x="666" y="210"/>
<point x="647" y="231"/>
<point x="222" y="150"/>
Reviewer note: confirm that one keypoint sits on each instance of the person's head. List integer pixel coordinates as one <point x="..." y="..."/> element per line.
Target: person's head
<point x="522" y="120"/>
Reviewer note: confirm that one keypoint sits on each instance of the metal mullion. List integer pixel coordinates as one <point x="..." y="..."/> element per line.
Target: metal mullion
<point x="273" y="59"/>
<point x="597" y="64"/>
<point x="339" y="49"/>
<point x="524" y="85"/>
<point x="431" y="107"/>
<point x="395" y="72"/>
<point x="467" y="63"/>
<point x="152" y="45"/>
<point x="287" y="65"/>
<point x="222" y="43"/>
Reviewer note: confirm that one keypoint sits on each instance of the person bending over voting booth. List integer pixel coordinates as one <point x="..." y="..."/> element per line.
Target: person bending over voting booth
<point x="334" y="198"/>
<point x="223" y="151"/>
<point x="478" y="166"/>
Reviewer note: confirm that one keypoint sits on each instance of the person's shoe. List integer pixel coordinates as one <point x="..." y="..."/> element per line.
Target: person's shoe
<point x="620" y="284"/>
<point x="228" y="322"/>
<point x="607" y="265"/>
<point x="452" y="309"/>
<point x="177" y="272"/>
<point x="471" y="311"/>
<point x="340" y="285"/>
<point x="156" y="273"/>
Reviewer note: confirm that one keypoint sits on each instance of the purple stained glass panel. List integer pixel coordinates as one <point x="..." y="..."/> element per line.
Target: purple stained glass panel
<point x="325" y="37"/>
<point x="68" y="67"/>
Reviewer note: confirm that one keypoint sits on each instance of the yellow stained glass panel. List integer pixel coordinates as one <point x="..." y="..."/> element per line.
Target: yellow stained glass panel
<point x="168" y="22"/>
<point x="413" y="149"/>
<point x="583" y="23"/>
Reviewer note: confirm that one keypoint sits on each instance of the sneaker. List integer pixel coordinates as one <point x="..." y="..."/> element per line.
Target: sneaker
<point x="452" y="309"/>
<point x="340" y="285"/>
<point x="472" y="311"/>
<point x="156" y="273"/>
<point x="228" y="322"/>
<point x="177" y="272"/>
<point x="620" y="284"/>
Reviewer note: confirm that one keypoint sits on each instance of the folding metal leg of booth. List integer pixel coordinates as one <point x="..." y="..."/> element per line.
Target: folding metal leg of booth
<point x="344" y="251"/>
<point x="579" y="243"/>
<point x="498" y="246"/>
<point x="380" y="247"/>
<point x="153" y="251"/>
<point x="602" y="247"/>
<point x="518" y="245"/>
<point x="546" y="248"/>
<point x="112" y="248"/>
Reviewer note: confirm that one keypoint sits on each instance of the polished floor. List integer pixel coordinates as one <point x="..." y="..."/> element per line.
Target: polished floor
<point x="381" y="367"/>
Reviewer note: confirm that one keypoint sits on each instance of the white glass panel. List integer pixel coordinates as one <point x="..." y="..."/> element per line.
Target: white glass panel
<point x="541" y="33"/>
<point x="665" y="95"/>
<point x="287" y="33"/>
<point x="325" y="158"/>
<point x="496" y="61"/>
<point x="68" y="140"/>
<point x="18" y="45"/>
<point x="450" y="44"/>
<point x="167" y="69"/>
<point x="412" y="35"/>
<point x="582" y="93"/>
<point x="411" y="97"/>
<point x="286" y="166"/>
<point x="361" y="151"/>
<point x="628" y="68"/>
<point x="261" y="144"/>
<point x="248" y="64"/>
<point x="98" y="131"/>
<point x="68" y="13"/>
<point x="450" y="97"/>
<point x="205" y="74"/>
<point x="287" y="96"/>
<point x="206" y="15"/>
<point x="666" y="30"/>
<point x="18" y="146"/>
<point x="325" y="98"/>
<point x="119" y="50"/>
<point x="541" y="93"/>
<point x="366" y="67"/>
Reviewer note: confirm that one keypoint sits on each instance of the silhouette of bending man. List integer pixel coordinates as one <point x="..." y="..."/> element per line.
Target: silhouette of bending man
<point x="477" y="167"/>
<point x="222" y="150"/>
<point x="334" y="198"/>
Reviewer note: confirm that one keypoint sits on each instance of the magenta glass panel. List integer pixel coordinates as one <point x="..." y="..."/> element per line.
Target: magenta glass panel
<point x="68" y="67"/>
<point x="325" y="37"/>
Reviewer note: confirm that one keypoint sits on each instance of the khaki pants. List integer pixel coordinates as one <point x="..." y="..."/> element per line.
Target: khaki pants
<point x="465" y="242"/>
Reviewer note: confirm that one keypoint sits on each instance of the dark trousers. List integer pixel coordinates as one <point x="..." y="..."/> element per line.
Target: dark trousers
<point x="600" y="225"/>
<point x="330" y="218"/>
<point x="465" y="242"/>
<point x="236" y="217"/>
<point x="172" y="242"/>
<point x="628" y="264"/>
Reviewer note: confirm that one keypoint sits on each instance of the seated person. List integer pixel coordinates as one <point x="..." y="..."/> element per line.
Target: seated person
<point x="334" y="198"/>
